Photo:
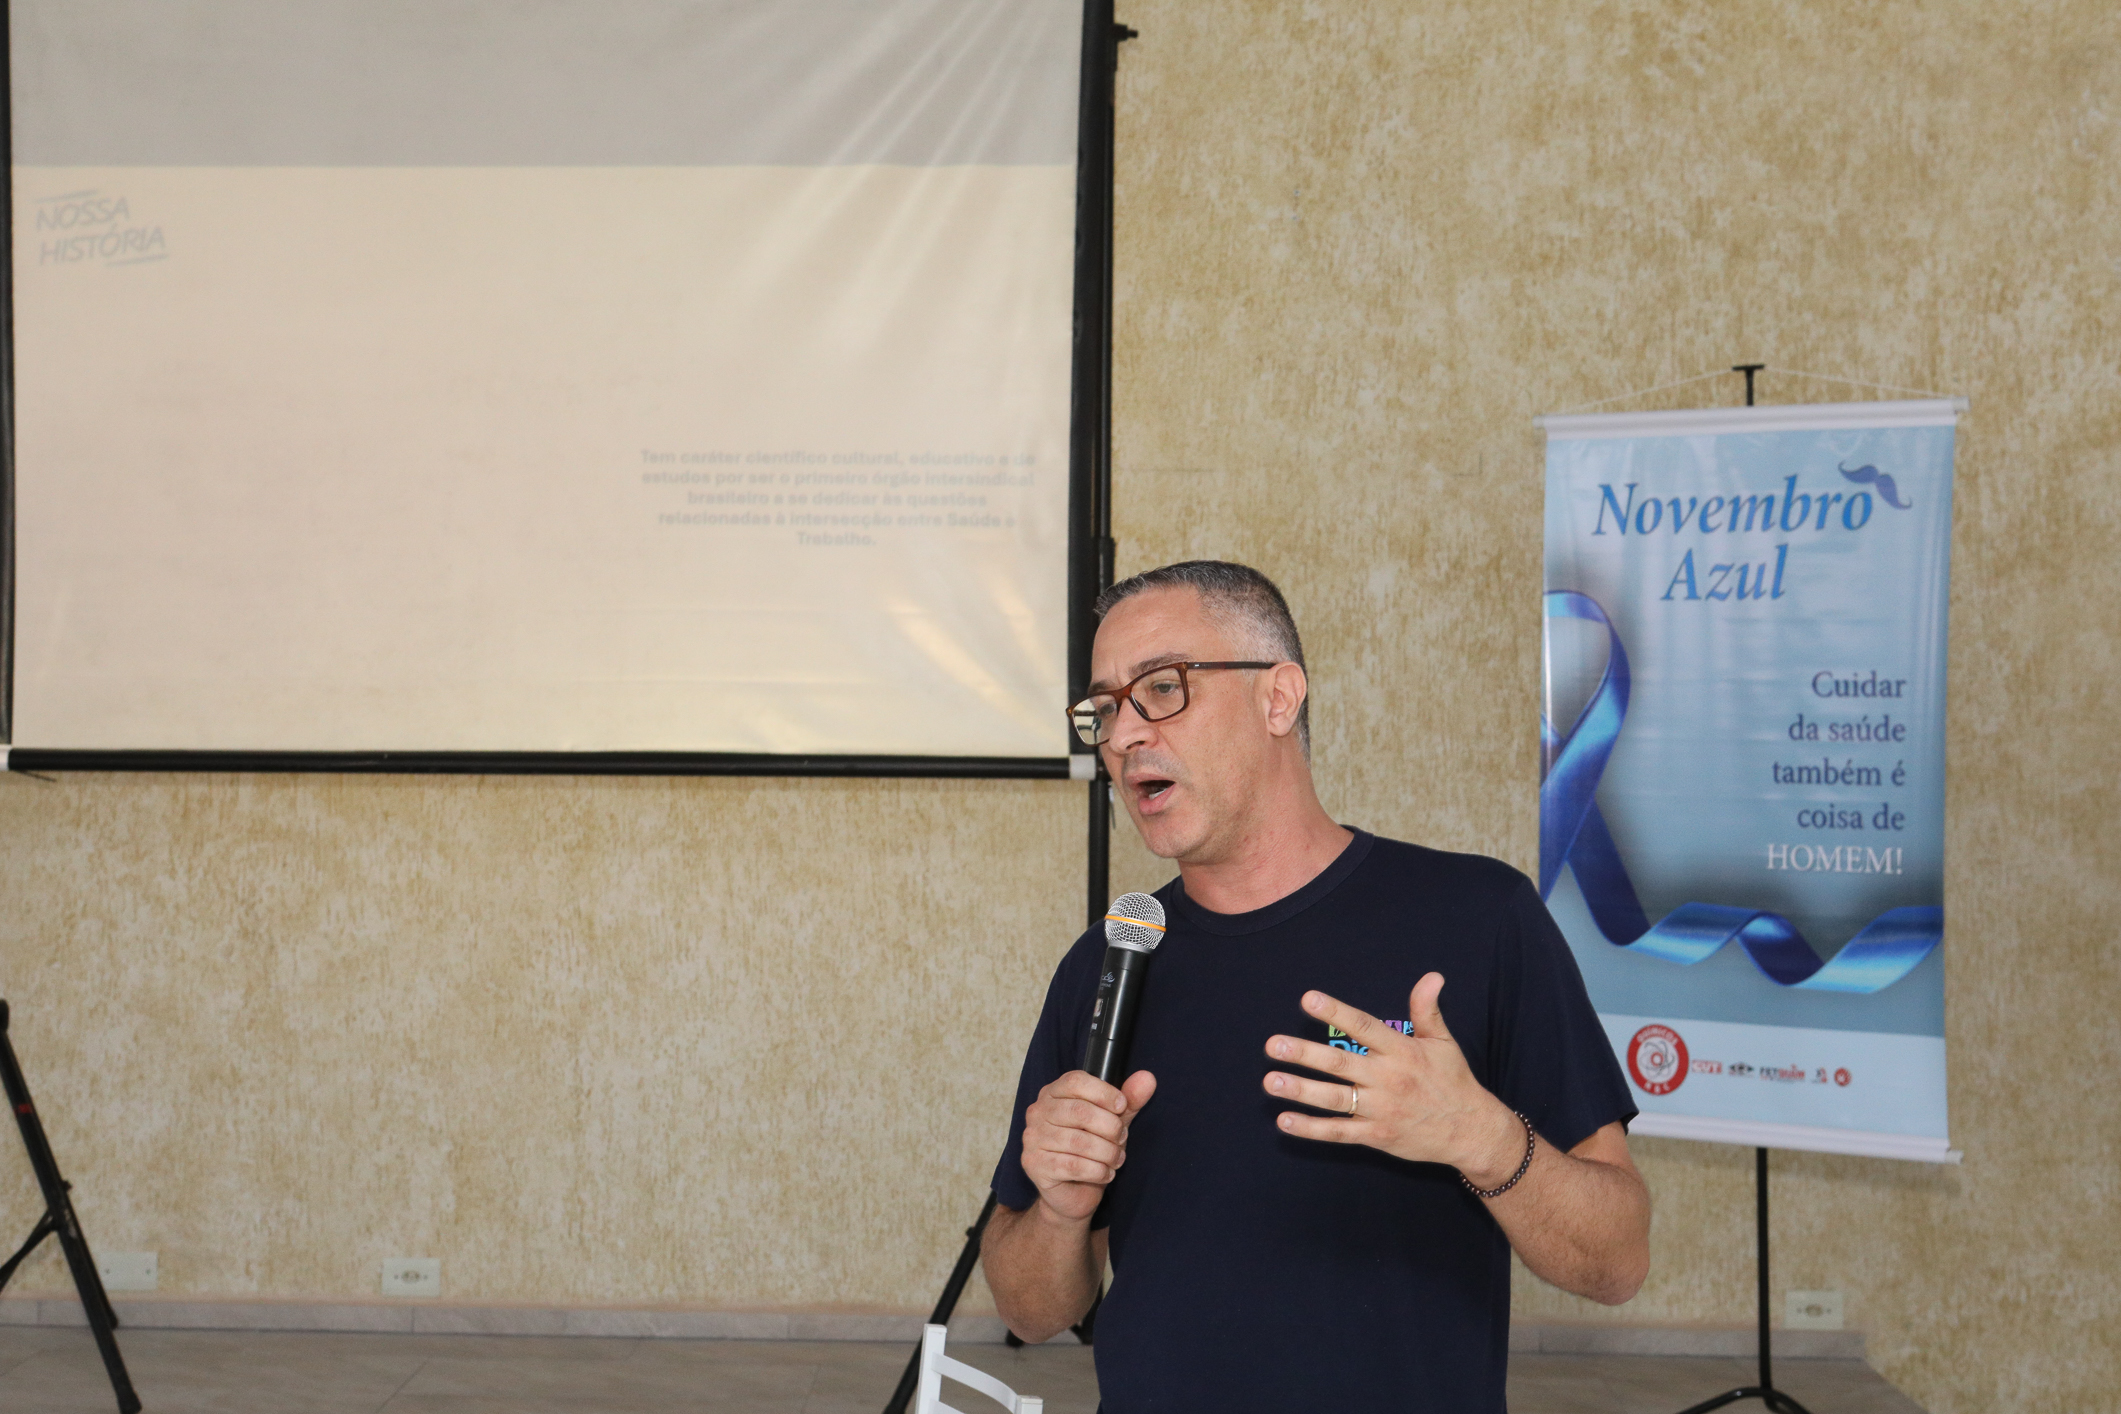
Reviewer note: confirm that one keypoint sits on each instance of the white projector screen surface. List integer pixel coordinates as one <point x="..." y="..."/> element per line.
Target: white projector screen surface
<point x="658" y="377"/>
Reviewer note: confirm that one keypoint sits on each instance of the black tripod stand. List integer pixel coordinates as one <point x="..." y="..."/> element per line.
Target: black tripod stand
<point x="59" y="1219"/>
<point x="1765" y="1391"/>
<point x="1090" y="459"/>
<point x="954" y="1288"/>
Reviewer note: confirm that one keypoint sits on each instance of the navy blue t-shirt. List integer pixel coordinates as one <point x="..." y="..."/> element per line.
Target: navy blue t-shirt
<point x="1252" y="1270"/>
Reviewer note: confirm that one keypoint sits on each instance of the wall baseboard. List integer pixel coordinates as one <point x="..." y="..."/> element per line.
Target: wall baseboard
<point x="1738" y="1342"/>
<point x="441" y="1318"/>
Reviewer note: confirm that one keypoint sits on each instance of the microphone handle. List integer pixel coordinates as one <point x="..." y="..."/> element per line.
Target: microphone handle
<point x="1119" y="991"/>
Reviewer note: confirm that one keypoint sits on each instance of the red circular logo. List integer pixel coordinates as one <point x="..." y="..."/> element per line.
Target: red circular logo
<point x="1841" y="1077"/>
<point x="1657" y="1060"/>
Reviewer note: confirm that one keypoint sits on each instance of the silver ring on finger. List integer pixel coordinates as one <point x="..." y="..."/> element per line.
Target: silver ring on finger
<point x="1354" y="1101"/>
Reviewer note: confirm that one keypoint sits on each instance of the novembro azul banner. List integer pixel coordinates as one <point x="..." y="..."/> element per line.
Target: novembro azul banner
<point x="1742" y="797"/>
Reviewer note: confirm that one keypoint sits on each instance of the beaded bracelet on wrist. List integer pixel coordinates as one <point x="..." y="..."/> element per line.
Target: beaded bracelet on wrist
<point x="1530" y="1143"/>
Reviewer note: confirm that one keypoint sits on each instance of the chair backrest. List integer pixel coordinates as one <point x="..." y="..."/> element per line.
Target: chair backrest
<point x="935" y="1366"/>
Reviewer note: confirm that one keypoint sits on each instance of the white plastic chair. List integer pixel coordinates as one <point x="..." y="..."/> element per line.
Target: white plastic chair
<point x="928" y="1395"/>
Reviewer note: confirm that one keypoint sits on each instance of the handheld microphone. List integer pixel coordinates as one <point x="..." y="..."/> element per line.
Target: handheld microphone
<point x="1132" y="930"/>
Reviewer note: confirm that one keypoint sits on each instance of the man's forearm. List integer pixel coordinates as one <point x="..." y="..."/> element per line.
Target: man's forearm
<point x="1042" y="1268"/>
<point x="1579" y="1220"/>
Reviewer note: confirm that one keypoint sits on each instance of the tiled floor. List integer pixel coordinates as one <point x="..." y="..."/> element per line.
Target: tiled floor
<point x="53" y="1371"/>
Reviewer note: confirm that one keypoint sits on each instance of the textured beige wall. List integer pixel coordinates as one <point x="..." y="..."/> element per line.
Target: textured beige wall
<point x="719" y="1042"/>
<point x="648" y="1041"/>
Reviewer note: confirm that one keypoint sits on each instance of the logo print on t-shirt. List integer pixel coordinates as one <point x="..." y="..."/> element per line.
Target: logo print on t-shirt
<point x="1338" y="1039"/>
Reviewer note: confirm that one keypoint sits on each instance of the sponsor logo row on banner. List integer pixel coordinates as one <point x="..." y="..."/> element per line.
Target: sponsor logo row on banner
<point x="1878" y="1083"/>
<point x="1659" y="1063"/>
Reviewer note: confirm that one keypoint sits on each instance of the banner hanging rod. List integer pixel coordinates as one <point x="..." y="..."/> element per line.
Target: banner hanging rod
<point x="1749" y="370"/>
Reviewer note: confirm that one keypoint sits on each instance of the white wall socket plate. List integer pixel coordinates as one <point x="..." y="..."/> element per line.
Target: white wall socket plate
<point x="126" y="1271"/>
<point x="412" y="1276"/>
<point x="1811" y="1311"/>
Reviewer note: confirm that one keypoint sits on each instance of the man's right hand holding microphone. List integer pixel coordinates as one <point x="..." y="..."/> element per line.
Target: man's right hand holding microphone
<point x="1075" y="1140"/>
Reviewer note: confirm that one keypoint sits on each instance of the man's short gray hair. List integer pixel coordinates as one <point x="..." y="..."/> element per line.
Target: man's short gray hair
<point x="1241" y="601"/>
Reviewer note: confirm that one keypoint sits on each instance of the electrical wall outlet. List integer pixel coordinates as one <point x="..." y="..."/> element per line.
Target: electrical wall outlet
<point x="412" y="1276"/>
<point x="1812" y="1311"/>
<point x="126" y="1271"/>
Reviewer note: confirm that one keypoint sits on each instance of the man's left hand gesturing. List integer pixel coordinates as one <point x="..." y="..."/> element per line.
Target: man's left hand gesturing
<point x="1411" y="1096"/>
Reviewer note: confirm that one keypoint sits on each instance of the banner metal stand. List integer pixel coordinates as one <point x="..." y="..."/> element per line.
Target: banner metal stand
<point x="1765" y="1391"/>
<point x="59" y="1221"/>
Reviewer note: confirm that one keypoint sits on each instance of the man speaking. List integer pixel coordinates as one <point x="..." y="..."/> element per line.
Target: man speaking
<point x="1362" y="1071"/>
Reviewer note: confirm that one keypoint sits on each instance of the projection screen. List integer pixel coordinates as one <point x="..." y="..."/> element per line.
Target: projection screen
<point x="495" y="376"/>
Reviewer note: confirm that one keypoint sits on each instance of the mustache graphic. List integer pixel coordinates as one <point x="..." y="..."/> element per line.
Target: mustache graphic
<point x="1868" y="475"/>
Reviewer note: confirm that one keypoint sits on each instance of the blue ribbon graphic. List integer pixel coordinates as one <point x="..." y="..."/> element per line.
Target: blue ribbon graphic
<point x="1572" y="831"/>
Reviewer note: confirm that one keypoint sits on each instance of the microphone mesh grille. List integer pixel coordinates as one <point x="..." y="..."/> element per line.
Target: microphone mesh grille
<point x="1135" y="921"/>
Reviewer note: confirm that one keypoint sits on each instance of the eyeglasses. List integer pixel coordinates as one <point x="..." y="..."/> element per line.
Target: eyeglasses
<point x="1159" y="695"/>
